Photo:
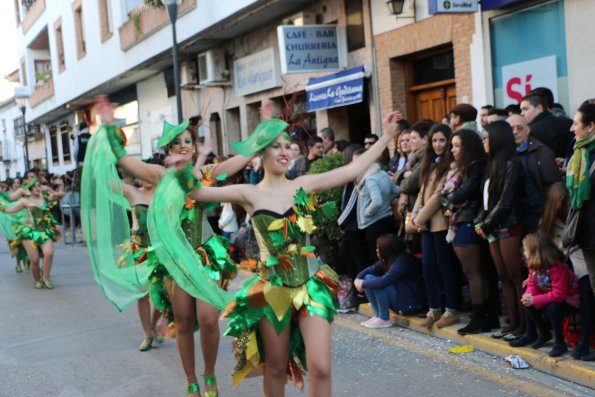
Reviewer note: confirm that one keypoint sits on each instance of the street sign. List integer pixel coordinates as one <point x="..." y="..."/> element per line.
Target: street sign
<point x="452" y="6"/>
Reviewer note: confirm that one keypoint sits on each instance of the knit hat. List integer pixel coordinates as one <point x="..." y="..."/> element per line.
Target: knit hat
<point x="465" y="111"/>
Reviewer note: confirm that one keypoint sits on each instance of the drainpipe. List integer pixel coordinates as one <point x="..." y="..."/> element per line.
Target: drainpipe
<point x="375" y="91"/>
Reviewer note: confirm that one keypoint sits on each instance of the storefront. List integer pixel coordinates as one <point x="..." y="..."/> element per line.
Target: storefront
<point x="527" y="49"/>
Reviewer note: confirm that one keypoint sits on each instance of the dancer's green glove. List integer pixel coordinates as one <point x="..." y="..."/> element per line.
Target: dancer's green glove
<point x="187" y="179"/>
<point x="29" y="185"/>
<point x="116" y="141"/>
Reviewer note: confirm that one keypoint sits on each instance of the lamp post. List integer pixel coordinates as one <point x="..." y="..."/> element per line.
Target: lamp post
<point x="172" y="10"/>
<point x="21" y="94"/>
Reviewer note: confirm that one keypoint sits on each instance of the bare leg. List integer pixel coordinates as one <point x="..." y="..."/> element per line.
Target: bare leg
<point x="33" y="259"/>
<point x="276" y="349"/>
<point x="317" y="332"/>
<point x="185" y="318"/>
<point x="144" y="313"/>
<point x="48" y="259"/>
<point x="208" y="320"/>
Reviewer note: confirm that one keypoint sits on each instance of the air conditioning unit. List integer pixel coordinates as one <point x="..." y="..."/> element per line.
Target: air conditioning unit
<point x="301" y="19"/>
<point x="189" y="73"/>
<point x="212" y="67"/>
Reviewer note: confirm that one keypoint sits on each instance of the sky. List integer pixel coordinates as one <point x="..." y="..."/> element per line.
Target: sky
<point x="9" y="60"/>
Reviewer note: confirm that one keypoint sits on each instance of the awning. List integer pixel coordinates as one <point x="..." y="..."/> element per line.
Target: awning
<point x="491" y="4"/>
<point x="334" y="90"/>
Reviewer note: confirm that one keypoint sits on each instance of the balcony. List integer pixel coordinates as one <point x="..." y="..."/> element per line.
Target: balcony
<point x="146" y="20"/>
<point x="42" y="92"/>
<point x="34" y="9"/>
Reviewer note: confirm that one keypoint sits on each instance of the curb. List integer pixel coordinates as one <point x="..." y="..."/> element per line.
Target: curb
<point x="580" y="372"/>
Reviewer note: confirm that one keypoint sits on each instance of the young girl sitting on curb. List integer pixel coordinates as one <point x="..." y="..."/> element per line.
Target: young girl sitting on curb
<point x="552" y="289"/>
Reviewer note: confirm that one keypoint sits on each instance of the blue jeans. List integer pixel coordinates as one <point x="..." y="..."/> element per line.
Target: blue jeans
<point x="439" y="268"/>
<point x="381" y="299"/>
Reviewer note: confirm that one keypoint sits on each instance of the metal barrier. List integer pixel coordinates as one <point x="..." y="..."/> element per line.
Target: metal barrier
<point x="69" y="204"/>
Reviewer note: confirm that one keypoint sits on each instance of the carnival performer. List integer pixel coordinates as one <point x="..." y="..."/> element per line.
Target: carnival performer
<point x="8" y="223"/>
<point x="196" y="282"/>
<point x="38" y="232"/>
<point x="139" y="199"/>
<point x="288" y="308"/>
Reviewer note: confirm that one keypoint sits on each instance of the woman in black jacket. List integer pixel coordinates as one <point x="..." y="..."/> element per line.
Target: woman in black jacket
<point x="499" y="221"/>
<point x="464" y="202"/>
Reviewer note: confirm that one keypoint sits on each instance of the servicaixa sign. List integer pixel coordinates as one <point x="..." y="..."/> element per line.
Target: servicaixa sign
<point x="452" y="6"/>
<point x="311" y="48"/>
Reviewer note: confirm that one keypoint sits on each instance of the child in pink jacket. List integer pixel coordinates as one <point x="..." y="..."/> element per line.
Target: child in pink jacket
<point x="552" y="289"/>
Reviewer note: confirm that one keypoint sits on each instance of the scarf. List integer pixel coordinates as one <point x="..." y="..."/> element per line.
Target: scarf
<point x="577" y="173"/>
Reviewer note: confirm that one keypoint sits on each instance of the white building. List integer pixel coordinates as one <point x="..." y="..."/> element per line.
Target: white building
<point x="11" y="132"/>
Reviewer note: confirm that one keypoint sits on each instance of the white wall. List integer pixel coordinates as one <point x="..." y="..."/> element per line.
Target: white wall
<point x="383" y="22"/>
<point x="153" y="107"/>
<point x="580" y="56"/>
<point x="105" y="61"/>
<point x="15" y="161"/>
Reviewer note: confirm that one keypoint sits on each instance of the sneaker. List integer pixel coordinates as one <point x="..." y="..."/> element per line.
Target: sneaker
<point x="431" y="318"/>
<point x="558" y="350"/>
<point x="377" y="322"/>
<point x="448" y="318"/>
<point x="363" y="323"/>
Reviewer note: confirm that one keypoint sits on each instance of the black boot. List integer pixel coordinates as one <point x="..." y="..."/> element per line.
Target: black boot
<point x="478" y="321"/>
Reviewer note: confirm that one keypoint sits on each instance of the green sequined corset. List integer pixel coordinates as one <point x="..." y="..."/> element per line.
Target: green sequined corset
<point x="41" y="217"/>
<point x="140" y="211"/>
<point x="285" y="252"/>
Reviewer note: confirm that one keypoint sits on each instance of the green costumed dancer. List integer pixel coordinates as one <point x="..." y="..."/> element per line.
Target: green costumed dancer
<point x="8" y="225"/>
<point x="39" y="231"/>
<point x="195" y="277"/>
<point x="288" y="308"/>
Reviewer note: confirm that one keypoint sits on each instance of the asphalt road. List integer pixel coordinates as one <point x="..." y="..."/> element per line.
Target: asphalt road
<point x="71" y="342"/>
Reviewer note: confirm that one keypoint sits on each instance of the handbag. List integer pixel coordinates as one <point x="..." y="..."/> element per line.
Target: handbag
<point x="410" y="228"/>
<point x="569" y="231"/>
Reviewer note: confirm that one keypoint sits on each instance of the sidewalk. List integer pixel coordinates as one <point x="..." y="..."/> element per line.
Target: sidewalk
<point x="580" y="372"/>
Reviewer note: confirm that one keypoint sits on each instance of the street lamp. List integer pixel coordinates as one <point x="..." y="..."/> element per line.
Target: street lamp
<point x="395" y="7"/>
<point x="20" y="95"/>
<point x="172" y="10"/>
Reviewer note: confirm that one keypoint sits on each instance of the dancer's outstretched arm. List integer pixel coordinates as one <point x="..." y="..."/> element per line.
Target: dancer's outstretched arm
<point x="342" y="175"/>
<point x="14" y="208"/>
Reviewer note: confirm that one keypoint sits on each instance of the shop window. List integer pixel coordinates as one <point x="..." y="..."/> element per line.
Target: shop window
<point x="79" y="29"/>
<point x="354" y="13"/>
<point x="105" y="24"/>
<point x="232" y="126"/>
<point x="65" y="138"/>
<point x="54" y="144"/>
<point x="59" y="45"/>
<point x="216" y="133"/>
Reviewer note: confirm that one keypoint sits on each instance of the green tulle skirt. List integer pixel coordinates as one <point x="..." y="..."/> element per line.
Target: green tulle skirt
<point x="38" y="236"/>
<point x="281" y="306"/>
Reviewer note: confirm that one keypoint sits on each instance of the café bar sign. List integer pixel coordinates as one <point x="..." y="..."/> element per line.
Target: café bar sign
<point x="312" y="48"/>
<point x="452" y="6"/>
<point x="257" y="72"/>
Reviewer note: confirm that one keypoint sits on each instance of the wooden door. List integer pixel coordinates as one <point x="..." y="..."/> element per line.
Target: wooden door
<point x="432" y="101"/>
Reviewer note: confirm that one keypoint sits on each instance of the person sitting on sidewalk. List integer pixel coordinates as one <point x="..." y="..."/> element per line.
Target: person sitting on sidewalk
<point x="552" y="289"/>
<point x="394" y="282"/>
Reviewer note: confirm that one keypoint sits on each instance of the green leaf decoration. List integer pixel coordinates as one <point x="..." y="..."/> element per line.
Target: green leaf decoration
<point x="272" y="261"/>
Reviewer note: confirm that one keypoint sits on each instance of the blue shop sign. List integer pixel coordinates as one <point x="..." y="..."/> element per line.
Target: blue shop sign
<point x="451" y="6"/>
<point x="312" y="48"/>
<point x="491" y="4"/>
<point x="338" y="89"/>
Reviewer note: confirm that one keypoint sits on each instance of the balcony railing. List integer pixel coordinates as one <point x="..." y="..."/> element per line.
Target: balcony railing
<point x="34" y="9"/>
<point x="42" y="93"/>
<point x="146" y="20"/>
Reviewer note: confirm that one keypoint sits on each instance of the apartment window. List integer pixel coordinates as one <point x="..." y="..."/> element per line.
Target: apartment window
<point x="54" y="144"/>
<point x="79" y="29"/>
<point x="59" y="45"/>
<point x="105" y="25"/>
<point x="354" y="13"/>
<point x="65" y="137"/>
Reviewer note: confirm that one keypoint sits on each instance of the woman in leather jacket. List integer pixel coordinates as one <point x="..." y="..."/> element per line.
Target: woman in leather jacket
<point x="463" y="203"/>
<point x="499" y="220"/>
